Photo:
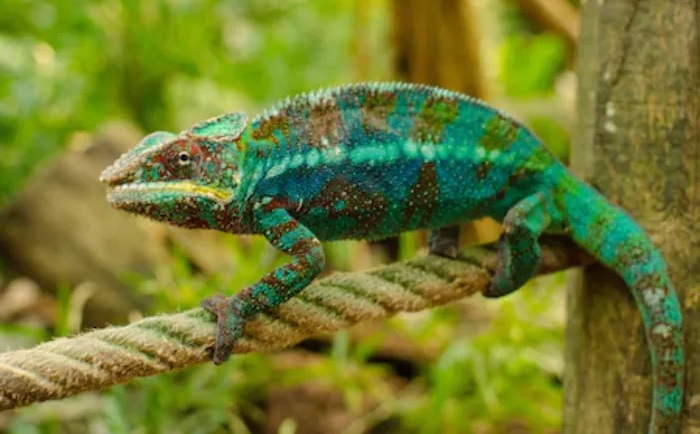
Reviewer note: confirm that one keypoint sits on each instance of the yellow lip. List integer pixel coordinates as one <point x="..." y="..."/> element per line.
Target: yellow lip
<point x="183" y="187"/>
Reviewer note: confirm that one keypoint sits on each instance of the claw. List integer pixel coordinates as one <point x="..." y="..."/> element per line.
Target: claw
<point x="444" y="242"/>
<point x="502" y="281"/>
<point x="229" y="325"/>
<point x="444" y="247"/>
<point x="501" y="284"/>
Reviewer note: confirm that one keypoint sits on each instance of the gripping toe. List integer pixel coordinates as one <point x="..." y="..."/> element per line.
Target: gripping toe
<point x="229" y="325"/>
<point x="444" y="242"/>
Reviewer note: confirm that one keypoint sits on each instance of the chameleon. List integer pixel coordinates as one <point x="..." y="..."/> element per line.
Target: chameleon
<point x="371" y="160"/>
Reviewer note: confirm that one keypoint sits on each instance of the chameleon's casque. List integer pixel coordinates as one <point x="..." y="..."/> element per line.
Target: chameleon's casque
<point x="368" y="161"/>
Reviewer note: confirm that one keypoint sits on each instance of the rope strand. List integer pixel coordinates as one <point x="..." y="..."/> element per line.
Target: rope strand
<point x="114" y="355"/>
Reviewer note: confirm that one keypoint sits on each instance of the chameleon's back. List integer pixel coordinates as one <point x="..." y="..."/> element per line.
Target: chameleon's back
<point x="373" y="160"/>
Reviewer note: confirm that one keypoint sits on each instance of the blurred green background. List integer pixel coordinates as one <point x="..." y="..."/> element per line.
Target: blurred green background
<point x="68" y="69"/>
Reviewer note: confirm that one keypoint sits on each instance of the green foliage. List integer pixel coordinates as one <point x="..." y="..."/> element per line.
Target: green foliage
<point x="68" y="66"/>
<point x="553" y="134"/>
<point x="529" y="60"/>
<point x="529" y="64"/>
<point x="205" y="399"/>
<point x="506" y="374"/>
<point x="534" y="73"/>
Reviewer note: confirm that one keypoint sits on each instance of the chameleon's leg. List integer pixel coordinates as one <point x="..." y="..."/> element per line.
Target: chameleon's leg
<point x="519" y="254"/>
<point x="276" y="287"/>
<point x="444" y="241"/>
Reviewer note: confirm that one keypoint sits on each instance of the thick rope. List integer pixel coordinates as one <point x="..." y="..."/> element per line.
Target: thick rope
<point x="101" y="358"/>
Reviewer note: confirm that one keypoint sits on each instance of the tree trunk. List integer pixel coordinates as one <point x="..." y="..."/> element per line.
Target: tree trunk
<point x="436" y="43"/>
<point x="638" y="141"/>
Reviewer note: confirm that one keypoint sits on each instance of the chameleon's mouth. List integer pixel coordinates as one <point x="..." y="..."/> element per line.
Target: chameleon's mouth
<point x="141" y="191"/>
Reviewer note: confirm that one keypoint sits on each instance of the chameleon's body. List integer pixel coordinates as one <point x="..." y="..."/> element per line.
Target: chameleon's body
<point x="369" y="161"/>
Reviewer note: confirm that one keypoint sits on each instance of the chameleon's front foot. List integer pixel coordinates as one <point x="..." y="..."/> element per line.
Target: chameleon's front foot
<point x="229" y="324"/>
<point x="444" y="242"/>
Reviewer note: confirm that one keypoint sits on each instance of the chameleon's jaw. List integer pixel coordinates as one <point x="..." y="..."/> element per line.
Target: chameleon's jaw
<point x="179" y="203"/>
<point x="128" y="195"/>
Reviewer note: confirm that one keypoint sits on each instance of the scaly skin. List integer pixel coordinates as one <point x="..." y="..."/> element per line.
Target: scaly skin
<point x="368" y="161"/>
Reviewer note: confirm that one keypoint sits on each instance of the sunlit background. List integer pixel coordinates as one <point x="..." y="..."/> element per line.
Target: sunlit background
<point x="82" y="81"/>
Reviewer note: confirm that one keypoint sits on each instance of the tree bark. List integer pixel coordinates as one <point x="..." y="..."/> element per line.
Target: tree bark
<point x="638" y="141"/>
<point x="558" y="16"/>
<point x="436" y="43"/>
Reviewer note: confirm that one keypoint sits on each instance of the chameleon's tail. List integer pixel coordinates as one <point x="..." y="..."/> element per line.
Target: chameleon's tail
<point x="617" y="241"/>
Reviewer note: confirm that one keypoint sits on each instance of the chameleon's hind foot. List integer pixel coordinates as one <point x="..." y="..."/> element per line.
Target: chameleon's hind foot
<point x="444" y="242"/>
<point x="229" y="324"/>
<point x="518" y="259"/>
<point x="519" y="254"/>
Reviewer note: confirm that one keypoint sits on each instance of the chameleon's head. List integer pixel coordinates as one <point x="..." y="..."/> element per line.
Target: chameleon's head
<point x="187" y="179"/>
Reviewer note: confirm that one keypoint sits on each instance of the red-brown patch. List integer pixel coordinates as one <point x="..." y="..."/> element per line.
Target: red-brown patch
<point x="367" y="209"/>
<point x="483" y="169"/>
<point x="423" y="196"/>
<point x="324" y="121"/>
<point x="268" y="126"/>
<point x="499" y="133"/>
<point x="436" y="113"/>
<point x="377" y="107"/>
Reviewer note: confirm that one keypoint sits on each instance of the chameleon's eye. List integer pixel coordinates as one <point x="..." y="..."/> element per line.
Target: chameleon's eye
<point x="184" y="158"/>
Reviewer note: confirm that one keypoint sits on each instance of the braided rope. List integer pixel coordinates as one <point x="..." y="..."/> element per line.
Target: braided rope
<point x="101" y="358"/>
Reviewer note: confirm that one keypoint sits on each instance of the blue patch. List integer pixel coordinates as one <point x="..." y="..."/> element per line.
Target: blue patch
<point x="672" y="308"/>
<point x="290" y="238"/>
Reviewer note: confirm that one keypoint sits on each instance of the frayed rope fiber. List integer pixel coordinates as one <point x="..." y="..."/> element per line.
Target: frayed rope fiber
<point x="114" y="355"/>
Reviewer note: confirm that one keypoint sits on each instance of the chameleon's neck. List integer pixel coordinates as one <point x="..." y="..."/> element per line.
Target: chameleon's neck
<point x="252" y="165"/>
